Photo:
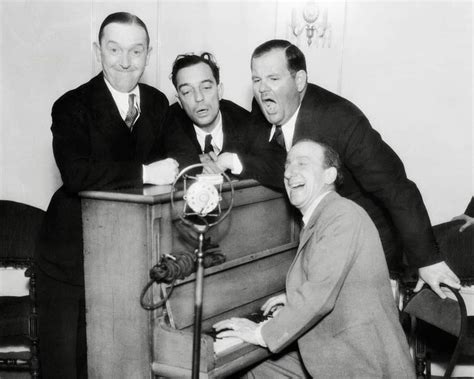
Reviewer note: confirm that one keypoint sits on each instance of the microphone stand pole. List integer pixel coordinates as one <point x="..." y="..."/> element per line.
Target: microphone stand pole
<point x="198" y="296"/>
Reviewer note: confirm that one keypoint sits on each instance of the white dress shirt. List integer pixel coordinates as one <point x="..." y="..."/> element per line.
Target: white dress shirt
<point x="217" y="136"/>
<point x="121" y="99"/>
<point x="288" y="130"/>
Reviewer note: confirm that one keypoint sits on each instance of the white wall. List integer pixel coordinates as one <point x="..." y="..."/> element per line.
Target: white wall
<point x="406" y="64"/>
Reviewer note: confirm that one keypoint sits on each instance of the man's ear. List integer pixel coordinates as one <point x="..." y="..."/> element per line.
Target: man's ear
<point x="148" y="55"/>
<point x="96" y="47"/>
<point x="330" y="175"/>
<point x="220" y="90"/>
<point x="301" y="79"/>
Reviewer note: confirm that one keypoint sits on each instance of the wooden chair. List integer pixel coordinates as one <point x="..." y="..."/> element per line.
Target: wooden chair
<point x="446" y="314"/>
<point x="19" y="228"/>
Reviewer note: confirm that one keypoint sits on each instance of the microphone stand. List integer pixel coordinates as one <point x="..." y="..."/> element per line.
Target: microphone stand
<point x="198" y="298"/>
<point x="200" y="229"/>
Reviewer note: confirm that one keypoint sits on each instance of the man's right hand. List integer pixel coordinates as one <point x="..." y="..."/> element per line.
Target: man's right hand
<point x="160" y="172"/>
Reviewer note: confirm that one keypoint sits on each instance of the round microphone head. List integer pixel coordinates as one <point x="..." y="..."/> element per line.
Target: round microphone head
<point x="202" y="197"/>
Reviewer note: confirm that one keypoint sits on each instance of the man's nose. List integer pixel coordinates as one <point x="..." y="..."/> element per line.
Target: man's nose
<point x="263" y="86"/>
<point x="125" y="61"/>
<point x="198" y="96"/>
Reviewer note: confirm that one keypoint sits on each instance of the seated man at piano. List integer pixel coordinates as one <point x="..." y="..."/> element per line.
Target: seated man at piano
<point x="202" y="127"/>
<point x="338" y="304"/>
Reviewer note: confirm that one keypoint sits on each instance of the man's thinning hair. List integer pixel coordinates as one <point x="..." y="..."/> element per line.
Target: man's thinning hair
<point x="123" y="18"/>
<point x="187" y="60"/>
<point x="295" y="58"/>
<point x="331" y="159"/>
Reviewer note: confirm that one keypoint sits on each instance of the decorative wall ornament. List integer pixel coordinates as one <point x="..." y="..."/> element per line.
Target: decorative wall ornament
<point x="313" y="19"/>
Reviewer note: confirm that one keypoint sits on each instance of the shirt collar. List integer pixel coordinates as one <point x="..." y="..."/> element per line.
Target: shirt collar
<point x="217" y="136"/>
<point x="312" y="207"/>
<point x="121" y="98"/>
<point x="288" y="129"/>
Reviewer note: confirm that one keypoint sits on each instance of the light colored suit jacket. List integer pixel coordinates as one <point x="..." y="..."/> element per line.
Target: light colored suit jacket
<point x="340" y="306"/>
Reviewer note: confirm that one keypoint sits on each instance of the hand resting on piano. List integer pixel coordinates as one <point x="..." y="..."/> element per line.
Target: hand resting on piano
<point x="247" y="330"/>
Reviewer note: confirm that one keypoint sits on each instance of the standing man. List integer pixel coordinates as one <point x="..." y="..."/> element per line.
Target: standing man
<point x="374" y="176"/>
<point x="202" y="127"/>
<point x="338" y="303"/>
<point x="106" y="135"/>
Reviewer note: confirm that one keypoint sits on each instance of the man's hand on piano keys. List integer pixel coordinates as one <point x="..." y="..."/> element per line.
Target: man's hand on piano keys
<point x="241" y="328"/>
<point x="272" y="305"/>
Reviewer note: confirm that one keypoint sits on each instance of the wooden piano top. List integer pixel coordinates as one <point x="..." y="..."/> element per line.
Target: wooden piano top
<point x="149" y="194"/>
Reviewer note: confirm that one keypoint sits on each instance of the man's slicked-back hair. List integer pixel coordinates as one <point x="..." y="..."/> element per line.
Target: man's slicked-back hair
<point x="295" y="58"/>
<point x="187" y="60"/>
<point x="123" y="18"/>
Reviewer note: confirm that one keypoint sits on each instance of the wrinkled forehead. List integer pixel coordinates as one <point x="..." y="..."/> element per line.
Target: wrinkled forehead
<point x="196" y="73"/>
<point x="275" y="58"/>
<point x="125" y="33"/>
<point x="306" y="150"/>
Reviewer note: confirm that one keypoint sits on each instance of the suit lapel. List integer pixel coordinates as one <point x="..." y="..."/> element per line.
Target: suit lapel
<point x="309" y="229"/>
<point x="144" y="127"/>
<point x="105" y="112"/>
<point x="307" y="120"/>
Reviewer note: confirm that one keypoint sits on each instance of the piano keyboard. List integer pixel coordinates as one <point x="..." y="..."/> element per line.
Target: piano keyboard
<point x="224" y="344"/>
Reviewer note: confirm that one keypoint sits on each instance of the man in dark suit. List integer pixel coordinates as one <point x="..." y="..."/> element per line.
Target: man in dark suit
<point x="374" y="176"/>
<point x="202" y="127"/>
<point x="106" y="135"/>
<point x="338" y="303"/>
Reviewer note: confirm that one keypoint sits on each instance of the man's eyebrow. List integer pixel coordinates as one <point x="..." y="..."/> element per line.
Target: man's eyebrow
<point x="184" y="85"/>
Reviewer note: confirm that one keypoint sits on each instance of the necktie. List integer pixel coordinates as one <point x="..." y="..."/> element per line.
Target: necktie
<point x="278" y="136"/>
<point x="208" y="144"/>
<point x="132" y="113"/>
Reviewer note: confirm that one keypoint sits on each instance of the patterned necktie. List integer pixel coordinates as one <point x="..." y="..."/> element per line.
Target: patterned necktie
<point x="132" y="113"/>
<point x="278" y="136"/>
<point x="208" y="144"/>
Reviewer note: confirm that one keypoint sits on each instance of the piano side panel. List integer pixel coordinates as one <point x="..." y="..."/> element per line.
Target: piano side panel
<point x="117" y="254"/>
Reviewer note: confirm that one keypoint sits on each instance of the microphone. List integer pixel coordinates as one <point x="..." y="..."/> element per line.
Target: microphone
<point x="202" y="196"/>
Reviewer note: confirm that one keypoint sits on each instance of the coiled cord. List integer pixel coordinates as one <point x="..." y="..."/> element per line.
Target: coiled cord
<point x="177" y="266"/>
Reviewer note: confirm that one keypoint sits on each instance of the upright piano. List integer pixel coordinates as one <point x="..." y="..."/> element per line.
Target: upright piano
<point x="125" y="234"/>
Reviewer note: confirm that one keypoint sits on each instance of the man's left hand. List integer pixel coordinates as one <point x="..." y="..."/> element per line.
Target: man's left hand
<point x="238" y="327"/>
<point x="436" y="274"/>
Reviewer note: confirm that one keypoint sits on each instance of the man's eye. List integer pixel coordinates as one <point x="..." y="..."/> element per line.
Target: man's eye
<point x="256" y="80"/>
<point x="137" y="53"/>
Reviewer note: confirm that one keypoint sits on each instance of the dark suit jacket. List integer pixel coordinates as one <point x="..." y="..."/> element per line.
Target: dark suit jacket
<point x="94" y="150"/>
<point x="260" y="160"/>
<point x="374" y="176"/>
<point x="340" y="306"/>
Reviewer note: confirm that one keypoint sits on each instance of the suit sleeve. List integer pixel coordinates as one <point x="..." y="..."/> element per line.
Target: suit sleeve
<point x="326" y="259"/>
<point x="380" y="172"/>
<point x="72" y="147"/>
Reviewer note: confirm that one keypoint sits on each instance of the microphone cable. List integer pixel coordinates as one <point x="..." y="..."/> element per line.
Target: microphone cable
<point x="177" y="266"/>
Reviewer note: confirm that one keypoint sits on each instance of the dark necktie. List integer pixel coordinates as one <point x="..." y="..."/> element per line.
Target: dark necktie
<point x="278" y="136"/>
<point x="132" y="113"/>
<point x="208" y="144"/>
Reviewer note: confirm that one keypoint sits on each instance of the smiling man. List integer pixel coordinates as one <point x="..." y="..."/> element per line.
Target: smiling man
<point x="202" y="127"/>
<point x="105" y="136"/>
<point x="290" y="109"/>
<point x="338" y="303"/>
